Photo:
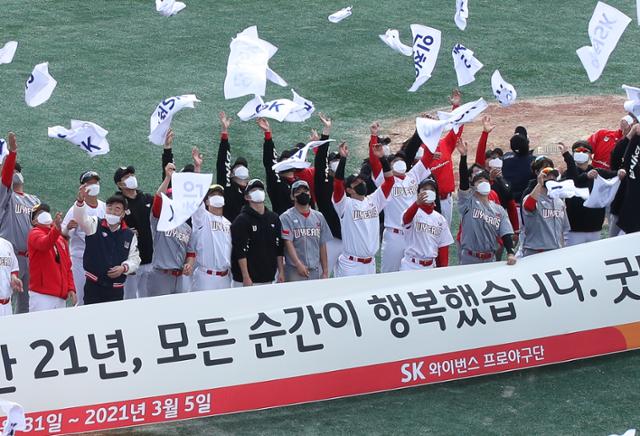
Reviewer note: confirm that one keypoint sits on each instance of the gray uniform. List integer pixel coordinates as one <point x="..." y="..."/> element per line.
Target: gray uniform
<point x="482" y="223"/>
<point x="544" y="228"/>
<point x="307" y="235"/>
<point x="169" y="254"/>
<point x="15" y="224"/>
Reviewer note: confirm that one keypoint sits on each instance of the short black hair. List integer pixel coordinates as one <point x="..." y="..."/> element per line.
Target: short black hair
<point x="18" y="167"/>
<point x="352" y="178"/>
<point x="541" y="162"/>
<point x="429" y="181"/>
<point x="480" y="175"/>
<point x="117" y="198"/>
<point x="240" y="161"/>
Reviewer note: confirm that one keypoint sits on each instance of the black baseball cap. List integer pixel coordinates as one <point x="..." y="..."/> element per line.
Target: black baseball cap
<point x="88" y="175"/>
<point x="253" y="183"/>
<point x="123" y="171"/>
<point x="334" y="155"/>
<point x="352" y="178"/>
<point x="582" y="144"/>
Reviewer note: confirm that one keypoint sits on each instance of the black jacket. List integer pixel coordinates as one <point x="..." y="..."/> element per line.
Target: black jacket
<point x="629" y="213"/>
<point x="323" y="185"/>
<point x="279" y="189"/>
<point x="104" y="250"/>
<point x="583" y="219"/>
<point x="137" y="219"/>
<point x="233" y="193"/>
<point x="256" y="238"/>
<point x="516" y="171"/>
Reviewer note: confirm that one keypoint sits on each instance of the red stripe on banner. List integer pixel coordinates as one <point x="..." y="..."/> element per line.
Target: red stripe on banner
<point x="334" y="384"/>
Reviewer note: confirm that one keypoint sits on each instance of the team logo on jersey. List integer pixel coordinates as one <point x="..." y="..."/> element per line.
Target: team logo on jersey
<point x="177" y="234"/>
<point x="21" y="208"/>
<point x="255" y="228"/>
<point x="219" y="227"/>
<point x="365" y="214"/>
<point x="552" y="213"/>
<point x="401" y="191"/>
<point x="5" y="261"/>
<point x="426" y="228"/>
<point x="605" y="139"/>
<point x="127" y="245"/>
<point x="493" y="221"/>
<point x="104" y="234"/>
<point x="306" y="233"/>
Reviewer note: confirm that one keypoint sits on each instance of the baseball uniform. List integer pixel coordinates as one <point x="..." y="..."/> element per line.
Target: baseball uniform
<point x="77" y="244"/>
<point x="212" y="245"/>
<point x="403" y="194"/>
<point x="8" y="266"/>
<point x="307" y="232"/>
<point x="426" y="235"/>
<point x="170" y="250"/>
<point x="482" y="223"/>
<point x="545" y="223"/>
<point x="360" y="228"/>
<point x="15" y="224"/>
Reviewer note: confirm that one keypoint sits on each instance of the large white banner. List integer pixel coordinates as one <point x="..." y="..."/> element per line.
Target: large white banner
<point x="185" y="356"/>
<point x="605" y="29"/>
<point x="188" y="191"/>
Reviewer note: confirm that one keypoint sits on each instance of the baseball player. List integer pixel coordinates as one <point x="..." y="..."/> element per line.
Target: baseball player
<point x="9" y="280"/>
<point x="427" y="234"/>
<point x="70" y="229"/>
<point x="403" y="194"/>
<point x="482" y="221"/>
<point x="359" y="220"/>
<point x="233" y="177"/>
<point x="15" y="215"/>
<point x="305" y="233"/>
<point x="545" y="218"/>
<point x="212" y="243"/>
<point x="137" y="219"/>
<point x="256" y="238"/>
<point x="170" y="249"/>
<point x="325" y="165"/>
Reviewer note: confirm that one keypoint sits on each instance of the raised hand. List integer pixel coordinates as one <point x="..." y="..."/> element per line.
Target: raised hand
<point x="57" y="221"/>
<point x="374" y="128"/>
<point x="197" y="158"/>
<point x="13" y="144"/>
<point x="225" y="122"/>
<point x="169" y="169"/>
<point x="263" y="124"/>
<point x="456" y="97"/>
<point x="343" y="150"/>
<point x="168" y="139"/>
<point x="314" y="135"/>
<point x="462" y="147"/>
<point x="563" y="147"/>
<point x="487" y="125"/>
<point x="326" y="123"/>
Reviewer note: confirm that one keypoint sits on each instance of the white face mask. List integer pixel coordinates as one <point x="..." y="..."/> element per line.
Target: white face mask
<point x="483" y="188"/>
<point x="241" y="172"/>
<point x="430" y="196"/>
<point x="131" y="182"/>
<point x="333" y="166"/>
<point x="18" y="179"/>
<point x="420" y="153"/>
<point x="386" y="150"/>
<point x="112" y="220"/>
<point x="581" y="157"/>
<point x="495" y="163"/>
<point x="216" y="201"/>
<point x="399" y="166"/>
<point x="44" y="218"/>
<point x="93" y="190"/>
<point x="257" y="196"/>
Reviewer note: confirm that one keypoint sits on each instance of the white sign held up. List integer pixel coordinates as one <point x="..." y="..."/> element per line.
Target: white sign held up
<point x="188" y="191"/>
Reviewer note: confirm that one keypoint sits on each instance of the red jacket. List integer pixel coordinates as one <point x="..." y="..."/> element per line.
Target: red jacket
<point x="603" y="142"/>
<point x="48" y="275"/>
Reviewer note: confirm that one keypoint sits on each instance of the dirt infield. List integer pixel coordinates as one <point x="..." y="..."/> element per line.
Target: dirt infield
<point x="548" y="120"/>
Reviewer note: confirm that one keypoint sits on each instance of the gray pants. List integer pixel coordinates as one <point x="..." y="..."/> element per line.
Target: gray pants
<point x="291" y="274"/>
<point x="22" y="298"/>
<point x="161" y="283"/>
<point x="468" y="259"/>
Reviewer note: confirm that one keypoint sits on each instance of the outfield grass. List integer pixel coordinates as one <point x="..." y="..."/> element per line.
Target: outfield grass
<point x="115" y="60"/>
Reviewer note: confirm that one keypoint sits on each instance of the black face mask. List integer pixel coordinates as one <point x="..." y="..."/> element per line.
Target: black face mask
<point x="361" y="189"/>
<point x="303" y="198"/>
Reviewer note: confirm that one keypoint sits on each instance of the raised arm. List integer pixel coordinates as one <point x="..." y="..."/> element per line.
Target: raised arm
<point x="167" y="153"/>
<point x="481" y="151"/>
<point x="223" y="161"/>
<point x="10" y="161"/>
<point x="463" y="169"/>
<point x="375" y="153"/>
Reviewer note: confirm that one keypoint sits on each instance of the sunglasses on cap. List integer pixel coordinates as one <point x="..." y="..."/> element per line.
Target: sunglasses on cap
<point x="548" y="170"/>
<point x="582" y="150"/>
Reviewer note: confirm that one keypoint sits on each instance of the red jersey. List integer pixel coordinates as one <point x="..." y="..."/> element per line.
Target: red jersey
<point x="603" y="142"/>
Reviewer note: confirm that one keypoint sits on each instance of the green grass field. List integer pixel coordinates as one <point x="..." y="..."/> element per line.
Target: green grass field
<point x="116" y="59"/>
